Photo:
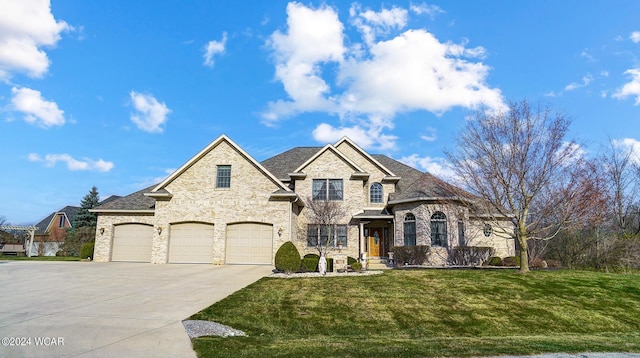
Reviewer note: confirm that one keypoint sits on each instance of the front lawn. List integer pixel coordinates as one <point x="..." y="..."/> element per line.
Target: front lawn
<point x="39" y="258"/>
<point x="428" y="313"/>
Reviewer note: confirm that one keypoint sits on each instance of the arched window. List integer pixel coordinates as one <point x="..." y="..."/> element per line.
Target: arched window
<point x="409" y="230"/>
<point x="375" y="193"/>
<point x="439" y="229"/>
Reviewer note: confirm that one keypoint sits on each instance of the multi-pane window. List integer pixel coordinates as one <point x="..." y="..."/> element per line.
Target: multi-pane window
<point x="223" y="178"/>
<point x="327" y="189"/>
<point x="409" y="230"/>
<point x="461" y="239"/>
<point x="375" y="193"/>
<point x="439" y="229"/>
<point x="321" y="235"/>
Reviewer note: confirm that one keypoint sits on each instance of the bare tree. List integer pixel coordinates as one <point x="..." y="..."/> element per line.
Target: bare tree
<point x="324" y="216"/>
<point x="623" y="183"/>
<point x="517" y="161"/>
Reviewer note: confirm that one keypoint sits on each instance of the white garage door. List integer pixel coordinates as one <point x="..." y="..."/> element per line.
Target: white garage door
<point x="132" y="242"/>
<point x="191" y="243"/>
<point x="249" y="243"/>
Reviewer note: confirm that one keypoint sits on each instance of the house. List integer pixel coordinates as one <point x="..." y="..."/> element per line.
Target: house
<point x="52" y="229"/>
<point x="224" y="207"/>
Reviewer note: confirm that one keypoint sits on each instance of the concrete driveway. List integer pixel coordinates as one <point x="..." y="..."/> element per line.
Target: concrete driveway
<point x="82" y="309"/>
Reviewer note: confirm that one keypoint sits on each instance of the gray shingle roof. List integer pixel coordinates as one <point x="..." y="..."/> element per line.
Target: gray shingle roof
<point x="284" y="163"/>
<point x="70" y="211"/>
<point x="135" y="201"/>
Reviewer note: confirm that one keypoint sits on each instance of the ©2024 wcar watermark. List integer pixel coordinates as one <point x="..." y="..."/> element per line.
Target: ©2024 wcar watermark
<point x="32" y="341"/>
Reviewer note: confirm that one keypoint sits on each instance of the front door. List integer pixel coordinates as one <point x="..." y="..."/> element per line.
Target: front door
<point x="376" y="239"/>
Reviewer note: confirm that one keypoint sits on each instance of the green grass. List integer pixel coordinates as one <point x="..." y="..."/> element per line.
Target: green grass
<point x="39" y="258"/>
<point x="429" y="313"/>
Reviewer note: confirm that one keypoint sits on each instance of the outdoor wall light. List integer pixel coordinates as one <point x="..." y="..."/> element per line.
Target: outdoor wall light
<point x="159" y="230"/>
<point x="280" y="231"/>
<point x="101" y="230"/>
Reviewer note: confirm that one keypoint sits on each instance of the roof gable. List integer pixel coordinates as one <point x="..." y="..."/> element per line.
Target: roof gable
<point x="345" y="141"/>
<point x="223" y="138"/>
<point x="334" y="150"/>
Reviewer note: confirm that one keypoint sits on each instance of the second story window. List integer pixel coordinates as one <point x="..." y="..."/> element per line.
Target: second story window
<point x="223" y="178"/>
<point x="375" y="193"/>
<point x="61" y="221"/>
<point x="327" y="189"/>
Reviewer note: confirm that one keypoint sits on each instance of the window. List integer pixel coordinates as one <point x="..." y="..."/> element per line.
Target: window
<point x="327" y="189"/>
<point x="409" y="230"/>
<point x="461" y="239"/>
<point x="487" y="230"/>
<point x="439" y="229"/>
<point x="375" y="193"/>
<point x="61" y="221"/>
<point x="223" y="179"/>
<point x="320" y="234"/>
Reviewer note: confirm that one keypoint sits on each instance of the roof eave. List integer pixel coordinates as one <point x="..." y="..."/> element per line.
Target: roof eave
<point x="122" y="211"/>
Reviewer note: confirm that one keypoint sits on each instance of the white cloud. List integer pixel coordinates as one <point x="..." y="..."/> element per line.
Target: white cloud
<point x="635" y="36"/>
<point x="26" y="26"/>
<point x="633" y="145"/>
<point x="372" y="24"/>
<point x="368" y="85"/>
<point x="632" y="88"/>
<point x="430" y="135"/>
<point x="570" y="153"/>
<point x="365" y="137"/>
<point x="73" y="164"/>
<point x="436" y="166"/>
<point x="214" y="48"/>
<point x="151" y="114"/>
<point x="423" y="8"/>
<point x="314" y="36"/>
<point x="37" y="110"/>
<point x="586" y="80"/>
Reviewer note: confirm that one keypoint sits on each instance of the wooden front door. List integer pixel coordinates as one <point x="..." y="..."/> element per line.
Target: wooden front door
<point x="376" y="240"/>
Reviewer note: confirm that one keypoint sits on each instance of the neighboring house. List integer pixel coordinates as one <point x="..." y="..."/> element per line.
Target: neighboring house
<point x="224" y="207"/>
<point x="52" y="230"/>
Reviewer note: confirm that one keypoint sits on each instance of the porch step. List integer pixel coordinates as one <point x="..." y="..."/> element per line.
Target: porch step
<point x="379" y="264"/>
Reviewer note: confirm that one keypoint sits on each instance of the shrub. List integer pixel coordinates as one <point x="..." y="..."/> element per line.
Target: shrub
<point x="554" y="264"/>
<point x="329" y="265"/>
<point x="287" y="258"/>
<point x="511" y="261"/>
<point x="310" y="263"/>
<point x="469" y="255"/>
<point x="356" y="266"/>
<point x="538" y="263"/>
<point x="351" y="260"/>
<point x="86" y="251"/>
<point x="494" y="261"/>
<point x="410" y="255"/>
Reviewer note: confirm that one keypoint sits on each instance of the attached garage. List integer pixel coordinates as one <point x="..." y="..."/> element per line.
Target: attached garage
<point x="249" y="243"/>
<point x="191" y="243"/>
<point x="132" y="242"/>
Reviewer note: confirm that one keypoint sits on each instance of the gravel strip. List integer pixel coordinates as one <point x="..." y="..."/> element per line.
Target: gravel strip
<point x="329" y="274"/>
<point x="197" y="329"/>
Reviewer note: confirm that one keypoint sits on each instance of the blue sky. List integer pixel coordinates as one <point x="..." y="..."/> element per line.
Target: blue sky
<point x="117" y="94"/>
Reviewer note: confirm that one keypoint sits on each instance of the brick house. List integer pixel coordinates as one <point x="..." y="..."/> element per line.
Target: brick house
<point x="224" y="207"/>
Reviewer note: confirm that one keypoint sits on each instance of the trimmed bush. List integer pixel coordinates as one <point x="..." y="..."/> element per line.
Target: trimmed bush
<point x="494" y="261"/>
<point x="356" y="266"/>
<point x="511" y="261"/>
<point x="469" y="255"/>
<point x="310" y="263"/>
<point x="410" y="255"/>
<point x="351" y="260"/>
<point x="87" y="250"/>
<point x="288" y="258"/>
<point x="329" y="265"/>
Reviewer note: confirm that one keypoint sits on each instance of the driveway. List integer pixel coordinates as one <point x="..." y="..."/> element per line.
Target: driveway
<point x="82" y="309"/>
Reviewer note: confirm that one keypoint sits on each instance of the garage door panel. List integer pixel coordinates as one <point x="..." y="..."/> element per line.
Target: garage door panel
<point x="249" y="243"/>
<point x="132" y="242"/>
<point x="191" y="243"/>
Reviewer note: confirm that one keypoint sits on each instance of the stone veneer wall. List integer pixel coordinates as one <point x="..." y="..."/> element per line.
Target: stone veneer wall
<point x="196" y="199"/>
<point x="102" y="249"/>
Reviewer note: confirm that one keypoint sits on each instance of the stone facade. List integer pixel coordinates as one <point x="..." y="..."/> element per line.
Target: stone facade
<point x="256" y="195"/>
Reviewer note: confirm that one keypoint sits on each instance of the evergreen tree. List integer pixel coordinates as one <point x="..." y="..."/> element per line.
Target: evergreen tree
<point x="84" y="218"/>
